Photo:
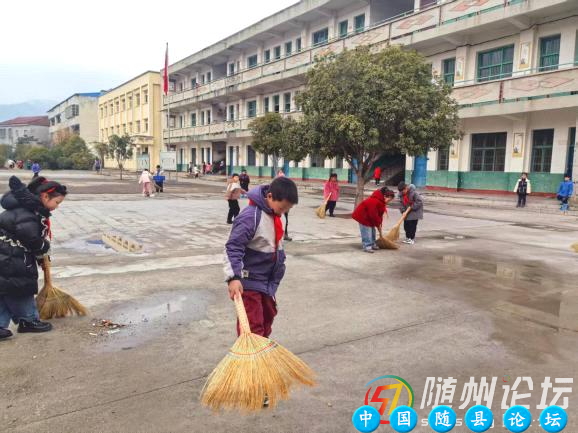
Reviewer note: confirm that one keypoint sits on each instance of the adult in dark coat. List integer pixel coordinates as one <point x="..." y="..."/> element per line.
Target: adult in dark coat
<point x="24" y="239"/>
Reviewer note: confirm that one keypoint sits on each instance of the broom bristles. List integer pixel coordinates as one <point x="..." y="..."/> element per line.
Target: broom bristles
<point x="386" y="244"/>
<point x="321" y="211"/>
<point x="393" y="234"/>
<point x="53" y="302"/>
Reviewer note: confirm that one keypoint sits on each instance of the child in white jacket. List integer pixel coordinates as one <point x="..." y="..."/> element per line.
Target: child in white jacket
<point x="523" y="188"/>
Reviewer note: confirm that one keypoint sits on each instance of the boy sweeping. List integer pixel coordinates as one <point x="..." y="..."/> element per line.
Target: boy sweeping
<point x="254" y="255"/>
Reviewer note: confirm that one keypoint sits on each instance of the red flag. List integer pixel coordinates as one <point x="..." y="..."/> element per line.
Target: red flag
<point x="166" y="71"/>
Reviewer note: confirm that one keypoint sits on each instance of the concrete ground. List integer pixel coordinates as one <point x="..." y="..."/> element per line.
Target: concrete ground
<point x="483" y="293"/>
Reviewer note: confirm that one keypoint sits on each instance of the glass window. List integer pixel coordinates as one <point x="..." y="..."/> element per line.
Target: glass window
<point x="542" y="142"/>
<point x="549" y="53"/>
<point x="146" y="96"/>
<point x="287" y="102"/>
<point x="252" y="109"/>
<point x="231" y="69"/>
<point x="209" y="77"/>
<point x="202" y="117"/>
<point x="288" y="48"/>
<point x="231" y="113"/>
<point x="208" y="117"/>
<point x="360" y="23"/>
<point x="298" y="45"/>
<point x="496" y="64"/>
<point x="317" y="160"/>
<point x="203" y="79"/>
<point x="193" y="119"/>
<point x="266" y="103"/>
<point x="146" y="125"/>
<point x="251" y="156"/>
<point x="321" y="36"/>
<point x="489" y="151"/>
<point x="443" y="158"/>
<point x="343" y="28"/>
<point x="449" y="70"/>
<point x="252" y="61"/>
<point x="276" y="107"/>
<point x="277" y="52"/>
<point x="267" y="56"/>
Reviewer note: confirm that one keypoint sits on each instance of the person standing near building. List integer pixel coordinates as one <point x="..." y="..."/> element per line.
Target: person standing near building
<point x="565" y="191"/>
<point x="331" y="193"/>
<point x="409" y="197"/>
<point x="97" y="166"/>
<point x="234" y="191"/>
<point x="35" y="169"/>
<point x="244" y="180"/>
<point x="377" y="175"/>
<point x="159" y="179"/>
<point x="523" y="188"/>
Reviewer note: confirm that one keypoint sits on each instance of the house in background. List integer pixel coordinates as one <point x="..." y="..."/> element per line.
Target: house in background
<point x="78" y="114"/>
<point x="27" y="130"/>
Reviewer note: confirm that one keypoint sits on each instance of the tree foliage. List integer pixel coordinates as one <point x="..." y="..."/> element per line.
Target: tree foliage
<point x="361" y="104"/>
<point x="120" y="149"/>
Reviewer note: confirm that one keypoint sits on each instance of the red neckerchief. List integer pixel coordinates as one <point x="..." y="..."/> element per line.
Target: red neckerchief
<point x="406" y="200"/>
<point x="278" y="230"/>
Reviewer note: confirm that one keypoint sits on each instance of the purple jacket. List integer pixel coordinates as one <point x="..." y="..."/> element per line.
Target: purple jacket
<point x="250" y="252"/>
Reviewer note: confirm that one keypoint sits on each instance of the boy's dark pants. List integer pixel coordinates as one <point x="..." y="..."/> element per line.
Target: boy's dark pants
<point x="521" y="199"/>
<point x="331" y="207"/>
<point x="261" y="310"/>
<point x="410" y="228"/>
<point x="234" y="210"/>
<point x="159" y="186"/>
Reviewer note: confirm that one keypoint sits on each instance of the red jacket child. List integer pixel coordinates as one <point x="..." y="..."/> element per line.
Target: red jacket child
<point x="370" y="211"/>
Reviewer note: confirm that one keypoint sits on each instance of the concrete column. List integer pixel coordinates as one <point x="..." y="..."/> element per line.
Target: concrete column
<point x="525" y="56"/>
<point x="567" y="47"/>
<point x="333" y="27"/>
<point x="416" y="5"/>
<point x="515" y="163"/>
<point x="464" y="70"/>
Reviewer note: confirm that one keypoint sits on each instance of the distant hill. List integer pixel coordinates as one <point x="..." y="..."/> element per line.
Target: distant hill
<point x="28" y="108"/>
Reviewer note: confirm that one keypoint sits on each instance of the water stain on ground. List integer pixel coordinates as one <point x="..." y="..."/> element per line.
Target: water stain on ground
<point x="151" y="316"/>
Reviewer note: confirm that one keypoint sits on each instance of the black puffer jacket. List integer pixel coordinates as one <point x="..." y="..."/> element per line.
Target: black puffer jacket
<point x="23" y="237"/>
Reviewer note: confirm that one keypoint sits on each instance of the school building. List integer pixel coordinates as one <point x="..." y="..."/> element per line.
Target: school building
<point x="133" y="108"/>
<point x="513" y="65"/>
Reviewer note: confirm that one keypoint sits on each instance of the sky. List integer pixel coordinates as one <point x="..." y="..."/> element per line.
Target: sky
<point x="65" y="47"/>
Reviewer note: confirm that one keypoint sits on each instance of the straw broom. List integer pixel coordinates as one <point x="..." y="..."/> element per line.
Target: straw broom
<point x="321" y="210"/>
<point x="393" y="233"/>
<point x="385" y="243"/>
<point x="53" y="302"/>
<point x="255" y="367"/>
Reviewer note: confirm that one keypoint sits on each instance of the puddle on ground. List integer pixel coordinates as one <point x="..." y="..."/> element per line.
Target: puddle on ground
<point x="91" y="246"/>
<point x="148" y="317"/>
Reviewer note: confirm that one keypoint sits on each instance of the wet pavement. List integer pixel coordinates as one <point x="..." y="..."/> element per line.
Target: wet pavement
<point x="483" y="293"/>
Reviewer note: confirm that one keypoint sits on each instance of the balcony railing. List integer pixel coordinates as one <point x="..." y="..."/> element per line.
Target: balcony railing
<point x="400" y="26"/>
<point x="527" y="85"/>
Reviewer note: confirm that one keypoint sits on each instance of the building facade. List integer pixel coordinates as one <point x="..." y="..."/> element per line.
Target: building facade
<point x="76" y="115"/>
<point x="133" y="108"/>
<point x="513" y="65"/>
<point x="28" y="130"/>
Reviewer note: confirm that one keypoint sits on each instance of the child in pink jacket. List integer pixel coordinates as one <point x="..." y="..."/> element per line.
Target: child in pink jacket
<point x="331" y="192"/>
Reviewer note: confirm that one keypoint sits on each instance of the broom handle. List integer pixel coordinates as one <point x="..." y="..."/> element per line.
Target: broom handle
<point x="328" y="198"/>
<point x="403" y="217"/>
<point x="242" y="315"/>
<point x="46" y="269"/>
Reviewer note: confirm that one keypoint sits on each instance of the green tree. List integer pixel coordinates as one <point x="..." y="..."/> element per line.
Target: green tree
<point x="43" y="156"/>
<point x="21" y="151"/>
<point x="120" y="149"/>
<point x="73" y="153"/>
<point x="5" y="152"/>
<point x="359" y="105"/>
<point x="279" y="137"/>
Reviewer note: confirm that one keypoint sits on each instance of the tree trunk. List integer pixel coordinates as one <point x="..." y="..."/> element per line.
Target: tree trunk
<point x="359" y="191"/>
<point x="120" y="166"/>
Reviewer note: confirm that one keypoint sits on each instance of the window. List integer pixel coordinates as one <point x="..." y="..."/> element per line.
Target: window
<point x="267" y="56"/>
<point x="542" y="142"/>
<point x="231" y="113"/>
<point x="181" y="121"/>
<point x="101" y="112"/>
<point x="251" y="156"/>
<point x="549" y="53"/>
<point x="202" y="79"/>
<point x="320" y="36"/>
<point x="123" y="103"/>
<point x="489" y="151"/>
<point x="193" y="83"/>
<point x="298" y="44"/>
<point x="146" y="125"/>
<point x="266" y="103"/>
<point x="146" y="96"/>
<point x="208" y="117"/>
<point x="231" y="69"/>
<point x="193" y="119"/>
<point x="130" y="127"/>
<point x="129" y="102"/>
<point x="443" y="159"/>
<point x="343" y="28"/>
<point x="495" y="64"/>
<point x="288" y="48"/>
<point x="252" y="61"/>
<point x="277" y="52"/>
<point x="252" y="109"/>
<point x="287" y="102"/>
<point x="449" y="71"/>
<point x="117" y="107"/>
<point x="181" y="86"/>
<point x="209" y="77"/>
<point x="360" y="23"/>
<point x="202" y="117"/>
<point x="276" y="107"/>
<point x="317" y="161"/>
<point x="138" y="126"/>
<point x="137" y="99"/>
